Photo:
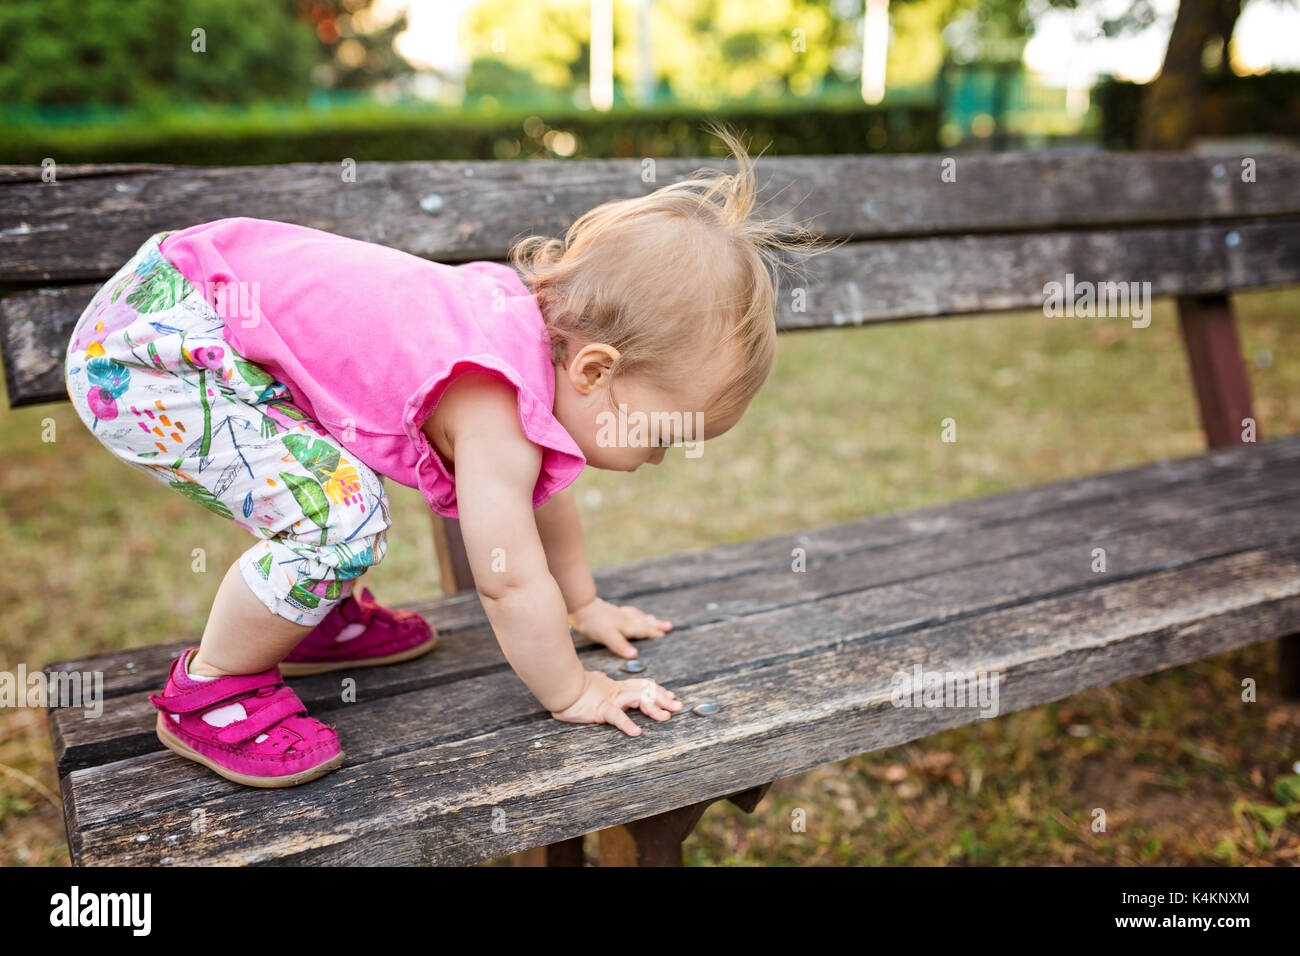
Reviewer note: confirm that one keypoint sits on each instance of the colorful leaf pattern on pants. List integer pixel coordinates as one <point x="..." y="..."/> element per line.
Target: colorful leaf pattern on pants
<point x="178" y="403"/>
<point x="310" y="497"/>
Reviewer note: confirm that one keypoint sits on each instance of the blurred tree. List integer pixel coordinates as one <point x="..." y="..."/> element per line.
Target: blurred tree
<point x="546" y="42"/>
<point x="147" y="53"/>
<point x="355" y="48"/>
<point x="1198" y="44"/>
<point x="104" y="52"/>
<point x="1171" y="103"/>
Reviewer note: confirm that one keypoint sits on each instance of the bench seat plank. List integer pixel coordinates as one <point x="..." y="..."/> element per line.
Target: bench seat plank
<point x="1192" y="565"/>
<point x="437" y="805"/>
<point x="414" y="719"/>
<point x="755" y="577"/>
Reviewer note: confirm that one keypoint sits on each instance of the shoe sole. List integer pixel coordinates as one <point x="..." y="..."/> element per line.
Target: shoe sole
<point x="307" y="668"/>
<point x="180" y="748"/>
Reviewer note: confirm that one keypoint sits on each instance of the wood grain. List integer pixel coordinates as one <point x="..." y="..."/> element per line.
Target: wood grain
<point x="376" y="725"/>
<point x="859" y="283"/>
<point x="696" y="583"/>
<point x="455" y="802"/>
<point x="862" y="601"/>
<point x="88" y="224"/>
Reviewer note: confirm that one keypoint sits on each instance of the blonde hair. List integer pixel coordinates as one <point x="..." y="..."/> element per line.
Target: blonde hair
<point x="685" y="266"/>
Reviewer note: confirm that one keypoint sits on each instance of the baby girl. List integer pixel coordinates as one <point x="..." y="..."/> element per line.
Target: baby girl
<point x="273" y="373"/>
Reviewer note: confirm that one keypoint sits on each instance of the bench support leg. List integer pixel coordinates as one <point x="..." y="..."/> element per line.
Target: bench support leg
<point x="453" y="563"/>
<point x="1218" y="372"/>
<point x="657" y="840"/>
<point x="564" y="853"/>
<point x="1288" y="666"/>
<point x="1222" y="387"/>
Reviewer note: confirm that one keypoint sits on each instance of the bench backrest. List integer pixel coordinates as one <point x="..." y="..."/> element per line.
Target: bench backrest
<point x="927" y="236"/>
<point x="921" y="245"/>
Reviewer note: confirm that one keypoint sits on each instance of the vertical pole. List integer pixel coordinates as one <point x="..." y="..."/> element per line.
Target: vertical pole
<point x="601" y="82"/>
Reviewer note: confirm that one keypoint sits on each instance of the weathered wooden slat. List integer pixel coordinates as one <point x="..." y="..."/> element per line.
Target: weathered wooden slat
<point x="63" y="171"/>
<point x="414" y="721"/>
<point x="452" y="802"/>
<point x="124" y="729"/>
<point x="925" y="278"/>
<point x="858" y="283"/>
<point x="754" y="578"/>
<point x="82" y="228"/>
<point x="35" y="327"/>
<point x="145" y="667"/>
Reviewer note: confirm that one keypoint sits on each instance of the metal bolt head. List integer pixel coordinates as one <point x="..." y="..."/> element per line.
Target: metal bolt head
<point x="1232" y="239"/>
<point x="431" y="204"/>
<point x="1218" y="171"/>
<point x="704" y="710"/>
<point x="633" y="666"/>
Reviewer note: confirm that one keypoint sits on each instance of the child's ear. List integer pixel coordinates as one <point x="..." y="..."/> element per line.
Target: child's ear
<point x="590" y="368"/>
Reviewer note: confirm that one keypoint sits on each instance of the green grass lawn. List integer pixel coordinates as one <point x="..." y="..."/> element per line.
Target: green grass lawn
<point x="847" y="425"/>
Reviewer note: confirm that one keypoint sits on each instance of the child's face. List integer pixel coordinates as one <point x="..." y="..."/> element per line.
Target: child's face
<point x="652" y="419"/>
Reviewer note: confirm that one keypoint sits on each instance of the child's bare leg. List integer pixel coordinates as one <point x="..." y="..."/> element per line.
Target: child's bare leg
<point x="242" y="635"/>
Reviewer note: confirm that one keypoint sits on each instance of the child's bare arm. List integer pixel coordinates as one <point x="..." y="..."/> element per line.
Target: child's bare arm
<point x="560" y="529"/>
<point x="496" y="468"/>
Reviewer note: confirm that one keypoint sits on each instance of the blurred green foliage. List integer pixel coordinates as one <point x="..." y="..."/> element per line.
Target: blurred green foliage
<point x="145" y="52"/>
<point x="280" y="135"/>
<point x="705" y="51"/>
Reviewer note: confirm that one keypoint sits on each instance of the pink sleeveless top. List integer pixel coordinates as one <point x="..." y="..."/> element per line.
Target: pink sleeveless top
<point x="368" y="338"/>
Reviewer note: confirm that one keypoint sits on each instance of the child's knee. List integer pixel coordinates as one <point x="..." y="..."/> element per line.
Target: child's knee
<point x="285" y="586"/>
<point x="301" y="578"/>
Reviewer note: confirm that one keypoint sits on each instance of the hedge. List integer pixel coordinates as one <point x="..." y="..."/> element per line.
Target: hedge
<point x="279" y="135"/>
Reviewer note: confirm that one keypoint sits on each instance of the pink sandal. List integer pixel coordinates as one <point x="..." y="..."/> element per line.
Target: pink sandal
<point x="251" y="729"/>
<point x="357" y="632"/>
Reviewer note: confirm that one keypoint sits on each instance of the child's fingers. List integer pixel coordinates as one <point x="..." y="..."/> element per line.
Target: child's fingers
<point x="653" y="699"/>
<point x="614" y="714"/>
<point x="641" y="624"/>
<point x="664" y="702"/>
<point x="616" y="642"/>
<point x="668" y="699"/>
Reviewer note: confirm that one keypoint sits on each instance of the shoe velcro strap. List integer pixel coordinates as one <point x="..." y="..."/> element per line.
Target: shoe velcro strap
<point x="211" y="693"/>
<point x="282" y="704"/>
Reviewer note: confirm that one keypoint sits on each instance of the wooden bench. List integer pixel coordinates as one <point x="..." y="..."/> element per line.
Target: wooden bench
<point x="1203" y="552"/>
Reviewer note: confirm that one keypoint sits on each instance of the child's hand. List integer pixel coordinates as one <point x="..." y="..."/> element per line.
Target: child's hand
<point x="604" y="699"/>
<point x="607" y="624"/>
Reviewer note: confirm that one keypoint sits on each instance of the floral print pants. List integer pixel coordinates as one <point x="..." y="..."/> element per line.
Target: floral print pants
<point x="151" y="375"/>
